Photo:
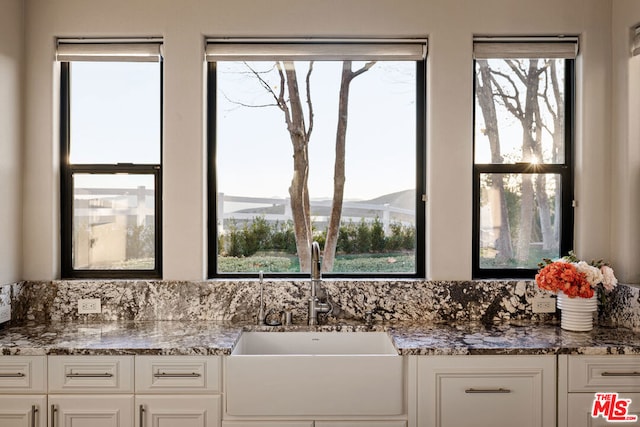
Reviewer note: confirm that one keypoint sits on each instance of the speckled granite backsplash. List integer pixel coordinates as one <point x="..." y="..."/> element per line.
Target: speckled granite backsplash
<point x="237" y="300"/>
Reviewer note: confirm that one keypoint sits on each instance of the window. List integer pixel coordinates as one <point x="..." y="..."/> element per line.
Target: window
<point x="320" y="141"/>
<point x="523" y="139"/>
<point x="111" y="136"/>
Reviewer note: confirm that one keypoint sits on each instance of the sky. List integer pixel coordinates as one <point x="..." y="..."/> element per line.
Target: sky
<point x="254" y="154"/>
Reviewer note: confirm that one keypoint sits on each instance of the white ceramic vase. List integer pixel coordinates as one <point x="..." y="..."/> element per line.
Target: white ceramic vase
<point x="577" y="313"/>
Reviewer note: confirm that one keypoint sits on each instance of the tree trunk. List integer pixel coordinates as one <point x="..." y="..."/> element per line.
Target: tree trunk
<point x="333" y="228"/>
<point x="298" y="191"/>
<point x="486" y="101"/>
<point x="528" y="147"/>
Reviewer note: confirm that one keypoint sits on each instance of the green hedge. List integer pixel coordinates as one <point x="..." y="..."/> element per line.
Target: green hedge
<point x="353" y="238"/>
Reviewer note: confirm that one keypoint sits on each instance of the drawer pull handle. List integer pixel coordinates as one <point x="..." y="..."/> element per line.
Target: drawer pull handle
<point x="141" y="415"/>
<point x="12" y="375"/>
<point x="53" y="415"/>
<point x="165" y="375"/>
<point x="105" y="375"/>
<point x="620" y="374"/>
<point x="34" y="410"/>
<point x="487" y="390"/>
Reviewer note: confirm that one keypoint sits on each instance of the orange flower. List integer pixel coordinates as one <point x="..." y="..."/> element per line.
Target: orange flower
<point x="563" y="276"/>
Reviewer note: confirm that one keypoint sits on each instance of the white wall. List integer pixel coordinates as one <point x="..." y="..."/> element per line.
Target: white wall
<point x="625" y="145"/>
<point x="450" y="26"/>
<point x="11" y="48"/>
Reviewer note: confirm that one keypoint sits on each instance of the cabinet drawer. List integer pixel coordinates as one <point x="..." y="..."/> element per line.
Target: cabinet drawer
<point x="604" y="373"/>
<point x="23" y="374"/>
<point x="91" y="374"/>
<point x="267" y="424"/>
<point x="486" y="391"/>
<point x="171" y="374"/>
<point x="388" y="423"/>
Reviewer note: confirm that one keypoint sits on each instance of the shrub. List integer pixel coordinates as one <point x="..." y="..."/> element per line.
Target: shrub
<point x="254" y="264"/>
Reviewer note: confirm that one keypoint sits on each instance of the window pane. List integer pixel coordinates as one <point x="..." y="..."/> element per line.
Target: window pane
<point x="115" y="112"/>
<point x="520" y="108"/>
<point x="261" y="117"/>
<point x="113" y="222"/>
<point x="519" y="219"/>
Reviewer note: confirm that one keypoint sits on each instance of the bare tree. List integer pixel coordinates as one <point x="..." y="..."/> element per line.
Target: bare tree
<point x="484" y="93"/>
<point x="289" y="100"/>
<point x="518" y="89"/>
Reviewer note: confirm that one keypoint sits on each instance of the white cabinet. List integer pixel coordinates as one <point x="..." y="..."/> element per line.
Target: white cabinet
<point x="90" y="391"/>
<point x="23" y="411"/>
<point x="581" y="377"/>
<point x="267" y="424"/>
<point x="486" y="391"/>
<point x="23" y="384"/>
<point x="91" y="374"/>
<point x="182" y="391"/>
<point x="390" y="423"/>
<point x="178" y="411"/>
<point x="178" y="374"/>
<point x="309" y="423"/>
<point x="91" y="410"/>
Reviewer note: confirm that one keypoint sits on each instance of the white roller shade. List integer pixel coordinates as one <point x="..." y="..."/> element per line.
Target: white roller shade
<point x="316" y="50"/>
<point x="523" y="48"/>
<point x="106" y="51"/>
<point x="635" y="47"/>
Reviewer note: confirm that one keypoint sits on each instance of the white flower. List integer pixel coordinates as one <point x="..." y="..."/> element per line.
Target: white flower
<point x="593" y="274"/>
<point x="609" y="281"/>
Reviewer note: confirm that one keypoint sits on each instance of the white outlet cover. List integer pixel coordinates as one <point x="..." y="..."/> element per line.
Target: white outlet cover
<point x="543" y="304"/>
<point x="89" y="306"/>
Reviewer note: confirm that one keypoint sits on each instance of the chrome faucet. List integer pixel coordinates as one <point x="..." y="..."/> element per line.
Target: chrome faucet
<point x="315" y="306"/>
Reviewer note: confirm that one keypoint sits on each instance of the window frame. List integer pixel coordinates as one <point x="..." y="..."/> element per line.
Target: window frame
<point x="67" y="172"/>
<point x="565" y="170"/>
<point x="420" y="194"/>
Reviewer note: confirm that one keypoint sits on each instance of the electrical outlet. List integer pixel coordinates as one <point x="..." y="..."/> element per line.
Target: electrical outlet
<point x="89" y="306"/>
<point x="544" y="305"/>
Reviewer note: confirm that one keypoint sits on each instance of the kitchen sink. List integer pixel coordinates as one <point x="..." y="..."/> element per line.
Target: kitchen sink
<point x="314" y="343"/>
<point x="314" y="374"/>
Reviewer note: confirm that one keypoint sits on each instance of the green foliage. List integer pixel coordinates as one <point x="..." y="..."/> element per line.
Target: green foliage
<point x="378" y="241"/>
<point x="253" y="264"/>
<point x="140" y="242"/>
<point x="388" y="263"/>
<point x="361" y="238"/>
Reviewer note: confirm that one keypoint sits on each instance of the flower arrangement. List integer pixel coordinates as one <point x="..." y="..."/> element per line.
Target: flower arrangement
<point x="574" y="277"/>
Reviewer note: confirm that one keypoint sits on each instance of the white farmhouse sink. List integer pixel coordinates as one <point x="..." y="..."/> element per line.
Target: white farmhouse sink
<point x="314" y="374"/>
<point x="314" y="343"/>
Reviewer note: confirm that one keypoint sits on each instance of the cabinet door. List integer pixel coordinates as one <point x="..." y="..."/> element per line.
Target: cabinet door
<point x="180" y="411"/>
<point x="23" y="411"/>
<point x="91" y="411"/>
<point x="486" y="391"/>
<point x="386" y="423"/>
<point x="580" y="406"/>
<point x="267" y="424"/>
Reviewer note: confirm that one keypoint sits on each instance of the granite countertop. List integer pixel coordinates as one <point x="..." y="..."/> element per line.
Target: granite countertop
<point x="218" y="338"/>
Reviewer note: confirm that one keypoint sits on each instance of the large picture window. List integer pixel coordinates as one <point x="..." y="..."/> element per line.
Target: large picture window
<point x="316" y="141"/>
<point x="111" y="135"/>
<point x="523" y="139"/>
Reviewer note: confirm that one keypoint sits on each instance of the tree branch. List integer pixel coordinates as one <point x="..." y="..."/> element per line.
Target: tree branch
<point x="309" y="103"/>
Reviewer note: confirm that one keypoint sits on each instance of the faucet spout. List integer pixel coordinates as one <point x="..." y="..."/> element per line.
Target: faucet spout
<point x="315" y="261"/>
<point x="315" y="306"/>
